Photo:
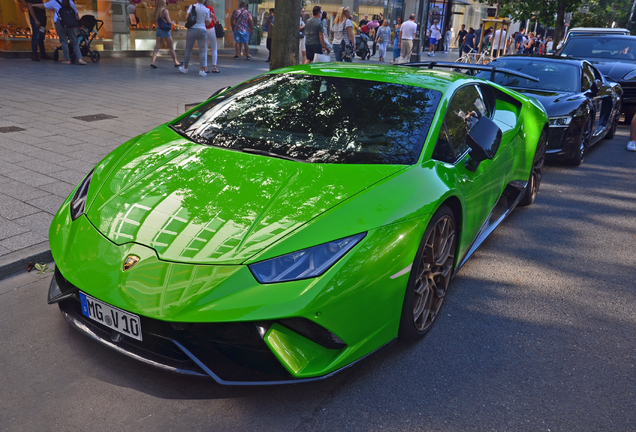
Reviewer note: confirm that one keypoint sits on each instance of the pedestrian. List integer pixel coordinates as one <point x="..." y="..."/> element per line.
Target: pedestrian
<point x="434" y="34"/>
<point x="197" y="33"/>
<point x="314" y="36"/>
<point x="301" y="45"/>
<point x="364" y="21"/>
<point x="478" y="34"/>
<point x="500" y="35"/>
<point x="519" y="41"/>
<point x="162" y="14"/>
<point x="406" y="38"/>
<point x="631" y="144"/>
<point x="448" y="35"/>
<point x="325" y="26"/>
<point x="343" y="40"/>
<point x="549" y="44"/>
<point x="461" y="34"/>
<point x="37" y="18"/>
<point x="270" y="33"/>
<point x="510" y="42"/>
<point x="485" y="40"/>
<point x="396" y="40"/>
<point x="242" y="26"/>
<point x="379" y="20"/>
<point x="65" y="27"/>
<point x="211" y="33"/>
<point x="382" y="37"/>
<point x="528" y="46"/>
<point x="469" y="40"/>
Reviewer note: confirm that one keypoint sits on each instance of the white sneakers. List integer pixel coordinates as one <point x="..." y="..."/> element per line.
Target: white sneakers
<point x="182" y="69"/>
<point x="202" y="73"/>
<point x="631" y="146"/>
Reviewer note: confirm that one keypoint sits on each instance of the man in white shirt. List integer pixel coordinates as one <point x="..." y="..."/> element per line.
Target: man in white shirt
<point x="495" y="41"/>
<point x="406" y="38"/>
<point x="434" y="34"/>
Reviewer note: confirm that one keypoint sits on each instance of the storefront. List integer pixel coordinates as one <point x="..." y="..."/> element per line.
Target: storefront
<point x="128" y="25"/>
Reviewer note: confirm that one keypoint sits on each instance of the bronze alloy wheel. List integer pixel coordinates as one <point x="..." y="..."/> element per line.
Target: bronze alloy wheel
<point x="538" y="163"/>
<point x="430" y="275"/>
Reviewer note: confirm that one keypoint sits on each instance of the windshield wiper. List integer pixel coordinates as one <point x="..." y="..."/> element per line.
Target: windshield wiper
<point x="267" y="153"/>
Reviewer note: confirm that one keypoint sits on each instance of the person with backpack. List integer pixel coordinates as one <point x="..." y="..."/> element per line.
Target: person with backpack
<point x="197" y="18"/>
<point x="66" y="19"/>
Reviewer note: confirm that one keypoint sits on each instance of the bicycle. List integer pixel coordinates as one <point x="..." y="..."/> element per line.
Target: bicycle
<point x="472" y="57"/>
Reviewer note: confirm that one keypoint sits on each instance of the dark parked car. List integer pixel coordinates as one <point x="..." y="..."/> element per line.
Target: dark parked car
<point x="582" y="105"/>
<point x="614" y="56"/>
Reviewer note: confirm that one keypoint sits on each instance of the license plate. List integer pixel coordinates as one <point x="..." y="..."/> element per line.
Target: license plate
<point x="125" y="323"/>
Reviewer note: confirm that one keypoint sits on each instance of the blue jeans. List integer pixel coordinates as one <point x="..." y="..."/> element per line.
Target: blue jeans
<point x="337" y="52"/>
<point x="37" y="39"/>
<point x="68" y="35"/>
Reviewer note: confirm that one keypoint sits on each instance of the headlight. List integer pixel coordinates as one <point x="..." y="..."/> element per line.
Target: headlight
<point x="630" y="75"/>
<point x="560" y="121"/>
<point x="304" y="264"/>
<point x="78" y="203"/>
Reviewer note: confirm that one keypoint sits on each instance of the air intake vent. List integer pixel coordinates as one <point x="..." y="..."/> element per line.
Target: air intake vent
<point x="313" y="332"/>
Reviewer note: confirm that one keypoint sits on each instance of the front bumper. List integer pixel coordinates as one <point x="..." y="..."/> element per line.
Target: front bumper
<point x="561" y="144"/>
<point x="230" y="353"/>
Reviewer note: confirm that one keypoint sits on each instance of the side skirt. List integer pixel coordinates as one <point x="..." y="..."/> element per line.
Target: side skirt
<point x="512" y="194"/>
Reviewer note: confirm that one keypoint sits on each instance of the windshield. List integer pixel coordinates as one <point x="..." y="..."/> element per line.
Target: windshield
<point x="601" y="47"/>
<point x="553" y="75"/>
<point x="317" y="119"/>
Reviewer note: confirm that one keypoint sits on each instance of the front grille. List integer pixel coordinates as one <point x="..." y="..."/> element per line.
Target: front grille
<point x="629" y="92"/>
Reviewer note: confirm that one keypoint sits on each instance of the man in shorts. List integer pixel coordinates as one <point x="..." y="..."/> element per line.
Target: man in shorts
<point x="243" y="26"/>
<point x="435" y="34"/>
<point x="314" y="37"/>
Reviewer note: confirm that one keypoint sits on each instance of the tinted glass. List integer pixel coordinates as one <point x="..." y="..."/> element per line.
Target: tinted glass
<point x="553" y="75"/>
<point x="318" y="119"/>
<point x="587" y="78"/>
<point x="466" y="107"/>
<point x="601" y="47"/>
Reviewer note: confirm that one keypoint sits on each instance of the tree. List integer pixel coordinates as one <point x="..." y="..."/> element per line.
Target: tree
<point x="603" y="13"/>
<point x="544" y="12"/>
<point x="285" y="39"/>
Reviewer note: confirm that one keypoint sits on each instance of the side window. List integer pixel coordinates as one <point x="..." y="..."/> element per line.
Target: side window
<point x="465" y="108"/>
<point x="588" y="77"/>
<point x="597" y="74"/>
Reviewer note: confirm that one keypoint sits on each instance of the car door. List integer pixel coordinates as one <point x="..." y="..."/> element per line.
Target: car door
<point x="587" y="79"/>
<point x="479" y="189"/>
<point x="606" y="101"/>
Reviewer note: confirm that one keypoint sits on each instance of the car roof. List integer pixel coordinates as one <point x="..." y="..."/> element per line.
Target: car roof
<point x="433" y="79"/>
<point x="604" y="36"/>
<point x="598" y="30"/>
<point x="570" y="60"/>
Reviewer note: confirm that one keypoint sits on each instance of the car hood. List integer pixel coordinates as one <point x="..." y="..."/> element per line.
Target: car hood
<point x="205" y="205"/>
<point x="554" y="102"/>
<point x="614" y="68"/>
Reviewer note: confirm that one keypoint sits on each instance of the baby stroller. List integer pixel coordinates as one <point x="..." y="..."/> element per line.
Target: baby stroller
<point x="86" y="32"/>
<point x="362" y="49"/>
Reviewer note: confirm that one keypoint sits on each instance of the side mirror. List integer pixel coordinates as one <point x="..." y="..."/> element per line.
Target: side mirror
<point x="219" y="91"/>
<point x="484" y="139"/>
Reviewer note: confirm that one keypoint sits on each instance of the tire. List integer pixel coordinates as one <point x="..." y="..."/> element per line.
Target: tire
<point x="536" y="173"/>
<point x="584" y="142"/>
<point x="430" y="276"/>
<point x="95" y="56"/>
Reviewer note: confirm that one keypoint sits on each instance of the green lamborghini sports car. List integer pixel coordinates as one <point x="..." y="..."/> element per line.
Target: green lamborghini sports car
<point x="291" y="225"/>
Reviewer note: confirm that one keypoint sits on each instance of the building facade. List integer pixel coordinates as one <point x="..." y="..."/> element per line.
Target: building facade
<point x="128" y="25"/>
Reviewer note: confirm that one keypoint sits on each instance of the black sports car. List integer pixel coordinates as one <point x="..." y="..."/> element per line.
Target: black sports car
<point x="614" y="56"/>
<point x="582" y="105"/>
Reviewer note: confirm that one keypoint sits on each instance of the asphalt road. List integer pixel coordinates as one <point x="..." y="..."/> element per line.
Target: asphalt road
<point x="537" y="334"/>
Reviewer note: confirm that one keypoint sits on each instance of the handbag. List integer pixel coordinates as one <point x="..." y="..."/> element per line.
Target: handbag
<point x="162" y="24"/>
<point x="321" y="58"/>
<point x="346" y="50"/>
<point x="219" y="30"/>
<point x="192" y="18"/>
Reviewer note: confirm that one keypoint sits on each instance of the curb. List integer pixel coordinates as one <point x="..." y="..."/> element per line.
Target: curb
<point x="16" y="262"/>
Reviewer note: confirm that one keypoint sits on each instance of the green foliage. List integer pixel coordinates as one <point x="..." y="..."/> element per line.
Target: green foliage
<point x="602" y="13"/>
<point x="259" y="34"/>
<point x="522" y="10"/>
<point x="42" y="268"/>
<point x="255" y="1"/>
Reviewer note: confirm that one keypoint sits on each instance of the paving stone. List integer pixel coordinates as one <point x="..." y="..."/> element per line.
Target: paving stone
<point x="69" y="176"/>
<point x="12" y="156"/>
<point x="21" y="191"/>
<point x="22" y="241"/>
<point x="59" y="188"/>
<point x="4" y="251"/>
<point x="10" y="229"/>
<point x="49" y="203"/>
<point x="29" y="177"/>
<point x="11" y="208"/>
<point x="40" y="166"/>
<point x="38" y="223"/>
<point x="6" y="167"/>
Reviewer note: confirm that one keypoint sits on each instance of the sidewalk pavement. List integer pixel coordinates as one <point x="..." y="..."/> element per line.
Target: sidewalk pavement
<point x="58" y="121"/>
